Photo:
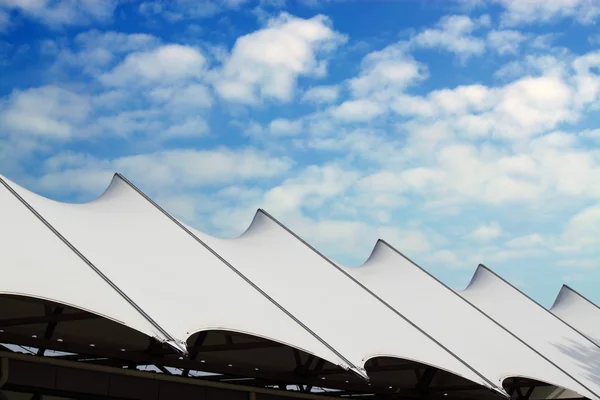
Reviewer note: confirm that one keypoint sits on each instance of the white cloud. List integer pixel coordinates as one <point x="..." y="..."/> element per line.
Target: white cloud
<point x="470" y="144"/>
<point x="579" y="263"/>
<point x="454" y="34"/>
<point x="127" y="123"/>
<point x="193" y="168"/>
<point x="154" y="92"/>
<point x="444" y="258"/>
<point x="46" y="112"/>
<point x="191" y="127"/>
<point x="267" y="63"/>
<point x="534" y="65"/>
<point x="177" y="99"/>
<point x="117" y="42"/>
<point x="310" y="189"/>
<point x="347" y="241"/>
<point x="321" y="94"/>
<point x="163" y="170"/>
<point x="166" y="64"/>
<point x="63" y="13"/>
<point x="4" y="21"/>
<point x="573" y="278"/>
<point x="315" y="189"/>
<point x="457" y="101"/>
<point x="176" y="10"/>
<point x="591" y="134"/>
<point x="285" y="127"/>
<point x="387" y="72"/>
<point x="381" y="181"/>
<point x="535" y="11"/>
<point x="544" y="41"/>
<point x="394" y="154"/>
<point x="411" y="241"/>
<point x="505" y="41"/>
<point x="587" y="78"/>
<point x="582" y="231"/>
<point x="464" y="171"/>
<point x="533" y="105"/>
<point x="521" y="109"/>
<point x="94" y="50"/>
<point x="454" y="175"/>
<point x="495" y="254"/>
<point x="358" y="110"/>
<point x="357" y="142"/>
<point x="485" y="233"/>
<point x="526" y="242"/>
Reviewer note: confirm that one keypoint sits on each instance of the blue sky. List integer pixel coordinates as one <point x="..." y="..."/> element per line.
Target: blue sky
<point x="461" y="132"/>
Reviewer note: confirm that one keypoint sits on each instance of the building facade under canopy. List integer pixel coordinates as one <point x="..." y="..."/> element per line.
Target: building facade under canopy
<point x="110" y="288"/>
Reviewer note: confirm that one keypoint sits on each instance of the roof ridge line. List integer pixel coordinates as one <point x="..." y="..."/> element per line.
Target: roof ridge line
<point x="329" y="261"/>
<point x="358" y="370"/>
<point x="541" y="306"/>
<point x="582" y="296"/>
<point x="91" y="265"/>
<point x="482" y="266"/>
<point x="499" y="325"/>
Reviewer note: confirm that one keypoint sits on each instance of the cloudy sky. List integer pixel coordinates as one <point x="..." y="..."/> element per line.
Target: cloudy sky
<point x="460" y="131"/>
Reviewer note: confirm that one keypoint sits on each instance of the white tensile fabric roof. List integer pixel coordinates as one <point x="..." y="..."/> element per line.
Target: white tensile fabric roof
<point x="550" y="337"/>
<point x="472" y="334"/>
<point x="121" y="249"/>
<point x="578" y="312"/>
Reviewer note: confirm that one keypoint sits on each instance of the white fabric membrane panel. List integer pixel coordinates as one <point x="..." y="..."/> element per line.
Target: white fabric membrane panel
<point x="167" y="273"/>
<point x="454" y="322"/>
<point x="536" y="326"/>
<point x="334" y="306"/>
<point x="578" y="312"/>
<point x="34" y="262"/>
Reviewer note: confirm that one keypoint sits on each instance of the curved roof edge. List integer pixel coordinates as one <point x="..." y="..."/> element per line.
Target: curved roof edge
<point x="575" y="309"/>
<point x="179" y="342"/>
<point x="566" y="289"/>
<point x="378" y="244"/>
<point x="549" y="312"/>
<point x="479" y="273"/>
<point x="166" y="337"/>
<point x="349" y="365"/>
<point x="479" y="281"/>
